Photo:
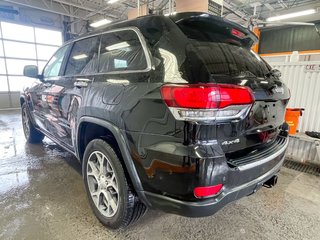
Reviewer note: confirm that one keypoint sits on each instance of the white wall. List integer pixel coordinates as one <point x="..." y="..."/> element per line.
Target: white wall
<point x="303" y="80"/>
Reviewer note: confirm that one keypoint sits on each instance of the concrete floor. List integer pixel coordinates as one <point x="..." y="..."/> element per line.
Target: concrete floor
<point x="42" y="197"/>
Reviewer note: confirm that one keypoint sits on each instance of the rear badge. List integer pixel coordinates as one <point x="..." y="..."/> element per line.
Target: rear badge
<point x="231" y="142"/>
<point x="279" y="90"/>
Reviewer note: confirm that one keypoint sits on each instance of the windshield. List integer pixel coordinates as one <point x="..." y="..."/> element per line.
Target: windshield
<point x="224" y="49"/>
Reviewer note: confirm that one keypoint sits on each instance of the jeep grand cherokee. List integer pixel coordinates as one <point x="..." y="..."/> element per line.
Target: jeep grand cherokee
<point x="175" y="113"/>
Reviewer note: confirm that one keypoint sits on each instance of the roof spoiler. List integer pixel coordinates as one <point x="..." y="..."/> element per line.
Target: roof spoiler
<point x="188" y="15"/>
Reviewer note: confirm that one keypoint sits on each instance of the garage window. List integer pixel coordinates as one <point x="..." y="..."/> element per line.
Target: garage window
<point x="22" y="45"/>
<point x="121" y="51"/>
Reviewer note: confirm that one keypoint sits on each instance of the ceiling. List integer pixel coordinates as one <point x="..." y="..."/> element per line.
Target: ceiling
<point x="237" y="10"/>
<point x="88" y="9"/>
<point x="242" y="10"/>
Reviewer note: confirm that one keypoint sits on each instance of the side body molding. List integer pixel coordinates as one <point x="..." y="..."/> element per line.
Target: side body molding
<point x="124" y="152"/>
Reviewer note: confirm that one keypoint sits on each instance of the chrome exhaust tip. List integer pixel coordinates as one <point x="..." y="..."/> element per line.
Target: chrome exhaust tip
<point x="271" y="182"/>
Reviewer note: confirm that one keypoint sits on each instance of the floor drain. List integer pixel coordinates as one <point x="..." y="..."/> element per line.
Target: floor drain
<point x="302" y="167"/>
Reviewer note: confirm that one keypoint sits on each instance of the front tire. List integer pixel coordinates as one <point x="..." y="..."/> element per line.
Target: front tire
<point x="109" y="194"/>
<point x="31" y="134"/>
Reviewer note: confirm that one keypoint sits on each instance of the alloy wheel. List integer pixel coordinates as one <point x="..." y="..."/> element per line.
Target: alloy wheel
<point x="103" y="184"/>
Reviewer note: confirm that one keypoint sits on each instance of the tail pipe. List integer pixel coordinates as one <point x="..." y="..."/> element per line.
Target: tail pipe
<point x="271" y="182"/>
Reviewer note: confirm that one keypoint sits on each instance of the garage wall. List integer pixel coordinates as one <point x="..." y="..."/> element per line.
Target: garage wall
<point x="27" y="36"/>
<point x="29" y="16"/>
<point x="304" y="149"/>
<point x="303" y="79"/>
<point x="288" y="39"/>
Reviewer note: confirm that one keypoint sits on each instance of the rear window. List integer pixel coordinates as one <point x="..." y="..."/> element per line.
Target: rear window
<point x="223" y="49"/>
<point x="83" y="57"/>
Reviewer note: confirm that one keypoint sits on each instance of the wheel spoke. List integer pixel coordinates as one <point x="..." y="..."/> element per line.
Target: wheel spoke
<point x="110" y="200"/>
<point x="112" y="183"/>
<point x="109" y="168"/>
<point x="100" y="159"/>
<point x="94" y="170"/>
<point x="113" y="204"/>
<point x="95" y="197"/>
<point x="105" y="202"/>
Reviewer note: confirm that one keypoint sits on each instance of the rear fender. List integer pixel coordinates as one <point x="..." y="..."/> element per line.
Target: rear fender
<point x="124" y="149"/>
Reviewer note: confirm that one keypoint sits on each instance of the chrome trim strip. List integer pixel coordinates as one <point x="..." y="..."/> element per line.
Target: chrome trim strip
<point x="243" y="111"/>
<point x="265" y="160"/>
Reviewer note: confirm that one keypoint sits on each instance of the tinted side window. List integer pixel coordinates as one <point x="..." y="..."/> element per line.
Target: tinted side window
<point x="53" y="67"/>
<point x="83" y="57"/>
<point x="121" y="51"/>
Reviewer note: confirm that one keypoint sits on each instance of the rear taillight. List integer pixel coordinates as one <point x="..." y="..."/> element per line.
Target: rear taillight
<point x="207" y="101"/>
<point x="208" y="191"/>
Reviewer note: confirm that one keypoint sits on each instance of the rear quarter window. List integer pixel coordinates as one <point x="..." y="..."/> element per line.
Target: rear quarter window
<point x="83" y="57"/>
<point x="121" y="51"/>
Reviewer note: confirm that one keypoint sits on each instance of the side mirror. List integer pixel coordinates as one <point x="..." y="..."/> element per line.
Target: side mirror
<point x="276" y="73"/>
<point x="31" y="71"/>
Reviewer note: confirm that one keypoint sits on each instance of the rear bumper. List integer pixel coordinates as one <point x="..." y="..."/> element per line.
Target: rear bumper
<point x="210" y="206"/>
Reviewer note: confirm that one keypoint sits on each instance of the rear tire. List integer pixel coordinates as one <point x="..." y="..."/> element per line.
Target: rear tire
<point x="31" y="134"/>
<point x="109" y="194"/>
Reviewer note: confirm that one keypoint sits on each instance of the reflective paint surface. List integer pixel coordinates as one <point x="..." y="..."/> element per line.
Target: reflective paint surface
<point x="42" y="196"/>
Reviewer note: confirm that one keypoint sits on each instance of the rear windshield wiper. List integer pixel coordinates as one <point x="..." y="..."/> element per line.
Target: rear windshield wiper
<point x="274" y="73"/>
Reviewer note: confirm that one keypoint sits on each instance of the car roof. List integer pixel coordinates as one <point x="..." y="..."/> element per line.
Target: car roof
<point x="116" y="25"/>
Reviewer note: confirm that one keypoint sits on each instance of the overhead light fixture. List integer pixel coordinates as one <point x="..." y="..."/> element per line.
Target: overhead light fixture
<point x="100" y="23"/>
<point x="291" y="15"/>
<point x="117" y="46"/>
<point x="80" y="56"/>
<point x="168" y="14"/>
<point x="112" y="1"/>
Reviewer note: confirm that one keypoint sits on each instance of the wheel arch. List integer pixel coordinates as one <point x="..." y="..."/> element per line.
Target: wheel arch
<point x="112" y="134"/>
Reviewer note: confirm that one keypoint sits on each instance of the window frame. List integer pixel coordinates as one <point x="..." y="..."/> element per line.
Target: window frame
<point x="142" y="42"/>
<point x="6" y="55"/>
<point x="5" y="21"/>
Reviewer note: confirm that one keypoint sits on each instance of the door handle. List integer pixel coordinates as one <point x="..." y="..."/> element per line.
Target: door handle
<point x="82" y="82"/>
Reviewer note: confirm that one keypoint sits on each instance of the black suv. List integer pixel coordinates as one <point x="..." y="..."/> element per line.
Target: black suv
<point x="175" y="113"/>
